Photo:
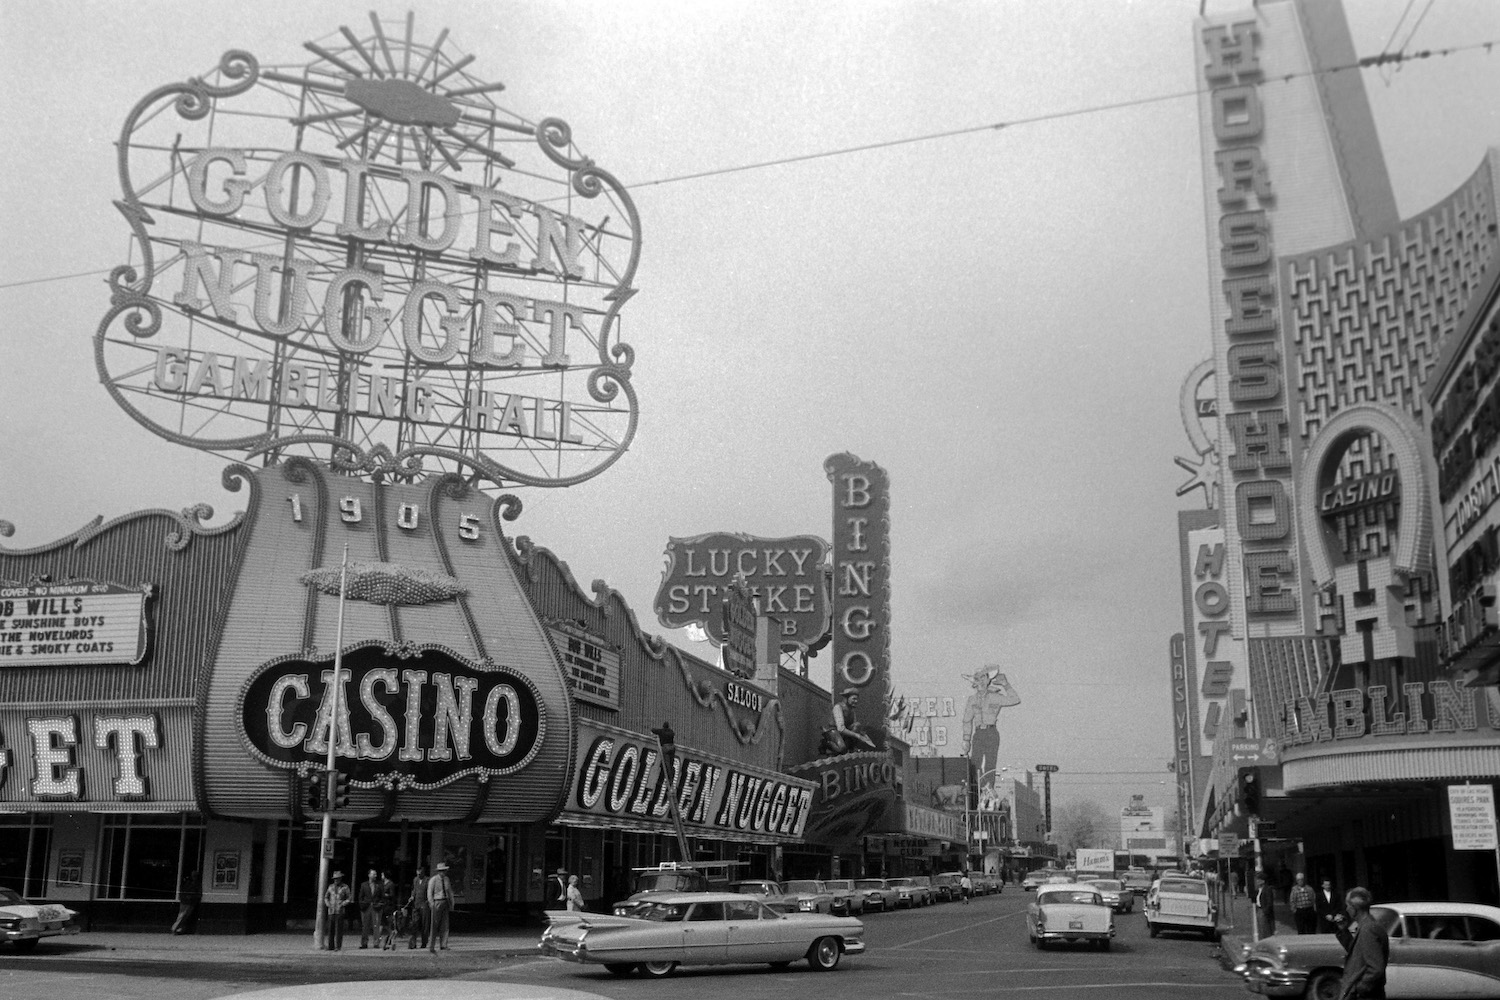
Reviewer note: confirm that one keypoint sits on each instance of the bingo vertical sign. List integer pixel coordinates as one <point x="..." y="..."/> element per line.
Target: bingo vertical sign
<point x="861" y="586"/>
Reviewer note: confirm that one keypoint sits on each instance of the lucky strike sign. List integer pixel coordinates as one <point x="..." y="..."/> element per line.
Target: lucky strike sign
<point x="421" y="720"/>
<point x="784" y="575"/>
<point x="368" y="256"/>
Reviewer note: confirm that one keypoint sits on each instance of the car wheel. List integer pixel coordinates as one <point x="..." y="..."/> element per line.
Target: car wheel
<point x="658" y="970"/>
<point x="619" y="968"/>
<point x="29" y="944"/>
<point x="824" y="954"/>
<point x="1323" y="985"/>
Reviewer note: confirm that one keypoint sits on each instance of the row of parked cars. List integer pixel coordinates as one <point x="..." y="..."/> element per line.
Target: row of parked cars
<point x="858" y="896"/>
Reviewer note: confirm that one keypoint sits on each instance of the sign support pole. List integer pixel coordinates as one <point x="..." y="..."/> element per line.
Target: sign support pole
<point x="321" y="923"/>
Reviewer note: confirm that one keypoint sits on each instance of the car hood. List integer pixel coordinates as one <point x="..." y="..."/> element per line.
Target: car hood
<point x="1300" y="949"/>
<point x="43" y="912"/>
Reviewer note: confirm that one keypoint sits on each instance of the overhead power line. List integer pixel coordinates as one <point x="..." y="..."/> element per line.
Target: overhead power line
<point x="1383" y="59"/>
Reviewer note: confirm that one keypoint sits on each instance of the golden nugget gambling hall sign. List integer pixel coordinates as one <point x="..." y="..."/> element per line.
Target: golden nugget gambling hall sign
<point x="368" y="257"/>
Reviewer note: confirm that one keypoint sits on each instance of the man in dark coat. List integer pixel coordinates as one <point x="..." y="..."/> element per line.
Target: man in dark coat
<point x="1328" y="905"/>
<point x="1265" y="905"/>
<point x="370" y="891"/>
<point x="1367" y="948"/>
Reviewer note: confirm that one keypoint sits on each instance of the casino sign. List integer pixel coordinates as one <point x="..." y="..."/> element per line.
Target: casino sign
<point x="367" y="257"/>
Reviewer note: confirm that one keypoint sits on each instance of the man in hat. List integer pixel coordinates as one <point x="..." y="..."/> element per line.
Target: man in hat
<point x="845" y="735"/>
<point x="334" y="901"/>
<point x="421" y="919"/>
<point x="1367" y="948"/>
<point x="440" y="899"/>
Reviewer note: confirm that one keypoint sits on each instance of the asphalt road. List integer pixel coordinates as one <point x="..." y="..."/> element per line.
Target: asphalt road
<point x="948" y="950"/>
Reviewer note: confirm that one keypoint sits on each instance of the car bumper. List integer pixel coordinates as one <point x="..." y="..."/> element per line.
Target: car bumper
<point x="36" y="933"/>
<point x="854" y="947"/>
<point x="1275" y="982"/>
<point x="1075" y="935"/>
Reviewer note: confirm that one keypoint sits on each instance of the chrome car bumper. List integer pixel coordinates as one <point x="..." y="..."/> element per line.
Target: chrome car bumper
<point x="1266" y="981"/>
<point x="36" y="933"/>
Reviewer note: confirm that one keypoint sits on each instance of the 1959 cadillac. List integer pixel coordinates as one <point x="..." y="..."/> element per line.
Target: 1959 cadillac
<point x="1069" y="911"/>
<point x="1437" y="950"/>
<point x="701" y="929"/>
<point x="23" y="924"/>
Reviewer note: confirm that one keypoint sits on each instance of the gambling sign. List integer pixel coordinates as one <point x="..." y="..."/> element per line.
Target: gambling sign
<point x="75" y="623"/>
<point x="369" y="257"/>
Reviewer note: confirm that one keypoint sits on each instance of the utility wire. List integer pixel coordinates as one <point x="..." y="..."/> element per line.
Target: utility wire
<point x="1384" y="58"/>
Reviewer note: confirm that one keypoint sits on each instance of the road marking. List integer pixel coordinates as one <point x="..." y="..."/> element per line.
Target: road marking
<point x="960" y="930"/>
<point x="1074" y="987"/>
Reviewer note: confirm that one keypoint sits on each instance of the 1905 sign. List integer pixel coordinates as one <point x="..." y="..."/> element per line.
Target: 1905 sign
<point x="421" y="720"/>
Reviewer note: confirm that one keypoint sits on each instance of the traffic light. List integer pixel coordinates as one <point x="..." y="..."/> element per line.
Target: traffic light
<point x="1249" y="789"/>
<point x="317" y="797"/>
<point x="340" y="790"/>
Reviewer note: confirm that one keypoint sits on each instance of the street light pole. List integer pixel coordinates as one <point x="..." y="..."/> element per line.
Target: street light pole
<point x="320" y="922"/>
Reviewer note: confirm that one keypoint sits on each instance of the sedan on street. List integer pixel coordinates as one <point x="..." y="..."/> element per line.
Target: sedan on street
<point x="1116" y="896"/>
<point x="911" y="893"/>
<point x="809" y="895"/>
<point x="1069" y="912"/>
<point x="1437" y="950"/>
<point x="879" y="894"/>
<point x="847" y="900"/>
<point x="700" y="929"/>
<point x="23" y="924"/>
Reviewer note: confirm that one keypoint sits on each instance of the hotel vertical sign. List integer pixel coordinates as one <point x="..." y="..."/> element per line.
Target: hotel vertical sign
<point x="861" y="586"/>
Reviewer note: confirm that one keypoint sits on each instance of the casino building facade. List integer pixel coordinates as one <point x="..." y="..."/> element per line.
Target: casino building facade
<point x="1333" y="593"/>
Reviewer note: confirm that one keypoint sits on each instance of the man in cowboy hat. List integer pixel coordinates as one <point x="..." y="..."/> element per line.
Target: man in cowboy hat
<point x="440" y="898"/>
<point x="334" y="900"/>
<point x="845" y="735"/>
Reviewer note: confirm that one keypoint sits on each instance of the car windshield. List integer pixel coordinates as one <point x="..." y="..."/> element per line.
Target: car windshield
<point x="840" y="883"/>
<point x="1070" y="896"/>
<point x="1106" y="884"/>
<point x="869" y="883"/>
<point x="800" y="885"/>
<point x="750" y="888"/>
<point x="920" y="880"/>
<point x="900" y="881"/>
<point x="10" y="896"/>
<point x="669" y="882"/>
<point x="661" y="912"/>
<point x="1185" y="887"/>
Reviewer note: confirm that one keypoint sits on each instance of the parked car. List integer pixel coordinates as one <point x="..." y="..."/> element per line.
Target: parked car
<point x="1181" y="903"/>
<point x="1437" y="949"/>
<point x="810" y="895"/>
<point x="700" y="929"/>
<point x="1069" y="912"/>
<point x="847" y="900"/>
<point x="910" y="894"/>
<point x="1116" y="896"/>
<point x="945" y="886"/>
<point x="23" y="924"/>
<point x="1137" y="880"/>
<point x="992" y="883"/>
<point x="674" y="876"/>
<point x="766" y="891"/>
<point x="878" y="893"/>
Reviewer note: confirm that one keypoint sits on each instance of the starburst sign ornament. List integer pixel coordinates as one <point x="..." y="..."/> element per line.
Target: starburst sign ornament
<point x="367" y="259"/>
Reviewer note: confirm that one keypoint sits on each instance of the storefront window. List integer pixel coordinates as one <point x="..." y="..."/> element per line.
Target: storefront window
<point x="23" y="853"/>
<point x="145" y="857"/>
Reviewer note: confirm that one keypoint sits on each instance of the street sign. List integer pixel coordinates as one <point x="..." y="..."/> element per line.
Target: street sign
<point x="1471" y="811"/>
<point x="1267" y="829"/>
<point x="1254" y="828"/>
<point x="328" y="846"/>
<point x="1046" y="768"/>
<point x="1229" y="844"/>
<point x="1246" y="753"/>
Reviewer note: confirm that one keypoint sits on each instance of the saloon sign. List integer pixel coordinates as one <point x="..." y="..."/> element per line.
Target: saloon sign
<point x="368" y="253"/>
<point x="421" y="721"/>
<point x="784" y="575"/>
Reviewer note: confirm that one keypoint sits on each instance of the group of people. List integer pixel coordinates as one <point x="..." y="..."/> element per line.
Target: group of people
<point x="384" y="917"/>
<point x="1321" y="911"/>
<point x="1313" y="910"/>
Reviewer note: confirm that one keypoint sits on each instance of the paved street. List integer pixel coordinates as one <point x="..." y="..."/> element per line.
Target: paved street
<point x="948" y="950"/>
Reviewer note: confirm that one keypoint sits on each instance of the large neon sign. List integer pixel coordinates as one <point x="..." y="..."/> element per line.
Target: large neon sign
<point x="368" y="259"/>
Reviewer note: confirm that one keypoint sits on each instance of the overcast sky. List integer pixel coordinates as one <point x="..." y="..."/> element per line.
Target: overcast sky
<point x="1002" y="319"/>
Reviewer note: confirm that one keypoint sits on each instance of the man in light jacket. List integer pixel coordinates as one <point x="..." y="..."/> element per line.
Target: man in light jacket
<point x="440" y="899"/>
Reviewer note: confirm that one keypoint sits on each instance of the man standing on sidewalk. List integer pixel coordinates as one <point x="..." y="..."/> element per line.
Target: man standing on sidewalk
<point x="334" y="901"/>
<point x="1328" y="906"/>
<point x="421" y="912"/>
<point x="1304" y="904"/>
<point x="369" y="912"/>
<point x="440" y="898"/>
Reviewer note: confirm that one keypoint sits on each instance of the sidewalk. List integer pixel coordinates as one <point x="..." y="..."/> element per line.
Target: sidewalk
<point x="1236" y="930"/>
<point x="118" y="946"/>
